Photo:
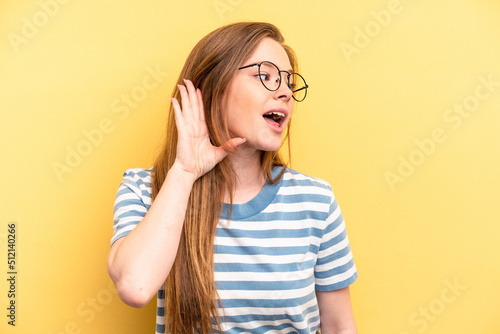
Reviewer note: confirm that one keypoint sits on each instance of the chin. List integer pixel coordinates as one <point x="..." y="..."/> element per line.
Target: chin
<point x="269" y="142"/>
<point x="270" y="148"/>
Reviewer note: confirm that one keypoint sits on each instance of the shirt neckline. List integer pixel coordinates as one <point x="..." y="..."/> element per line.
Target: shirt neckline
<point x="256" y="204"/>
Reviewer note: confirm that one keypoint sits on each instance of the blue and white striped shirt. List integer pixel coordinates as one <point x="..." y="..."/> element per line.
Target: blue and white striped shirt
<point x="279" y="248"/>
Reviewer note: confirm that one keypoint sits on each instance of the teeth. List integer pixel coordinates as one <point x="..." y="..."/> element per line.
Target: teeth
<point x="276" y="113"/>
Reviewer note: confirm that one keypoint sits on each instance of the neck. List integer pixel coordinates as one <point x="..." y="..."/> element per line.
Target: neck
<point x="249" y="177"/>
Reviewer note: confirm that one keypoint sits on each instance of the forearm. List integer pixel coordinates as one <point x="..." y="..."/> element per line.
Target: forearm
<point x="335" y="311"/>
<point x="142" y="260"/>
<point x="344" y="331"/>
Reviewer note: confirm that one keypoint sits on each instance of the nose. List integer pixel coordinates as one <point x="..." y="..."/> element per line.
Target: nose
<point x="283" y="92"/>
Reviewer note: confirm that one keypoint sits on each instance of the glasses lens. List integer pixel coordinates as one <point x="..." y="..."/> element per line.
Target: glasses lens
<point x="298" y="86"/>
<point x="269" y="75"/>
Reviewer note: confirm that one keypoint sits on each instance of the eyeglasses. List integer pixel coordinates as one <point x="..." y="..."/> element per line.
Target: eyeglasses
<point x="270" y="76"/>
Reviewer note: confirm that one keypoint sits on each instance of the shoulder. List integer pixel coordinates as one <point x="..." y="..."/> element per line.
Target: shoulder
<point x="137" y="180"/>
<point x="309" y="191"/>
<point x="138" y="175"/>
<point x="306" y="183"/>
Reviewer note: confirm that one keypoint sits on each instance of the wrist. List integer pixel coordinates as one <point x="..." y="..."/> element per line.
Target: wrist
<point x="179" y="173"/>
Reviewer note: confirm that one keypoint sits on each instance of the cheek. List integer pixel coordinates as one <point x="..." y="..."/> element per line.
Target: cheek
<point x="245" y="101"/>
<point x="291" y="106"/>
<point x="245" y="104"/>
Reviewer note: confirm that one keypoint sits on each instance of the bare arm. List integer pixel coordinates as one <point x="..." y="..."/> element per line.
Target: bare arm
<point x="335" y="312"/>
<point x="139" y="263"/>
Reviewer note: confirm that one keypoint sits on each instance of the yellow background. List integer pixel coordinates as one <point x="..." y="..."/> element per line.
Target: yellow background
<point x="409" y="63"/>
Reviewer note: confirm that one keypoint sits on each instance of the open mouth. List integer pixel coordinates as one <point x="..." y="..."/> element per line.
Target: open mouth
<point x="275" y="116"/>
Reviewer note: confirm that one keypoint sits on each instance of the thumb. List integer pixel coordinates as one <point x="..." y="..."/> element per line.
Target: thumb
<point x="221" y="152"/>
<point x="234" y="142"/>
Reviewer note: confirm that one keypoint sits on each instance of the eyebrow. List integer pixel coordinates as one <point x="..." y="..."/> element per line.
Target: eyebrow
<point x="253" y="64"/>
<point x="289" y="70"/>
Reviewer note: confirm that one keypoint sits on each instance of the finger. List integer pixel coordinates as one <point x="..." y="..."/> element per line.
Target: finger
<point x="200" y="103"/>
<point x="186" y="103"/>
<point x="234" y="142"/>
<point x="179" y="121"/>
<point x="193" y="98"/>
<point x="222" y="151"/>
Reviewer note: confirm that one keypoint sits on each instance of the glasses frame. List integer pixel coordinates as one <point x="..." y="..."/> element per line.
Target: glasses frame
<point x="288" y="74"/>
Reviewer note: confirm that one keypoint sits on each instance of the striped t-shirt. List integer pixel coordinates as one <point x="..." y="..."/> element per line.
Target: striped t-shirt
<point x="278" y="249"/>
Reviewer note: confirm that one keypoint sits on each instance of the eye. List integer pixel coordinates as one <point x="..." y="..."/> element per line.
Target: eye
<point x="263" y="76"/>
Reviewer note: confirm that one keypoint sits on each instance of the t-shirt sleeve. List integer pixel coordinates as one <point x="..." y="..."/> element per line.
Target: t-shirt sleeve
<point x="335" y="268"/>
<point x="132" y="202"/>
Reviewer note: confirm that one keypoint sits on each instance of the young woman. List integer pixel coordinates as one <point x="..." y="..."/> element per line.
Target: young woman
<point x="230" y="239"/>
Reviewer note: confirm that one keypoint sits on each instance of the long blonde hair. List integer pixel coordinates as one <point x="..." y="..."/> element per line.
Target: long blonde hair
<point x="192" y="301"/>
